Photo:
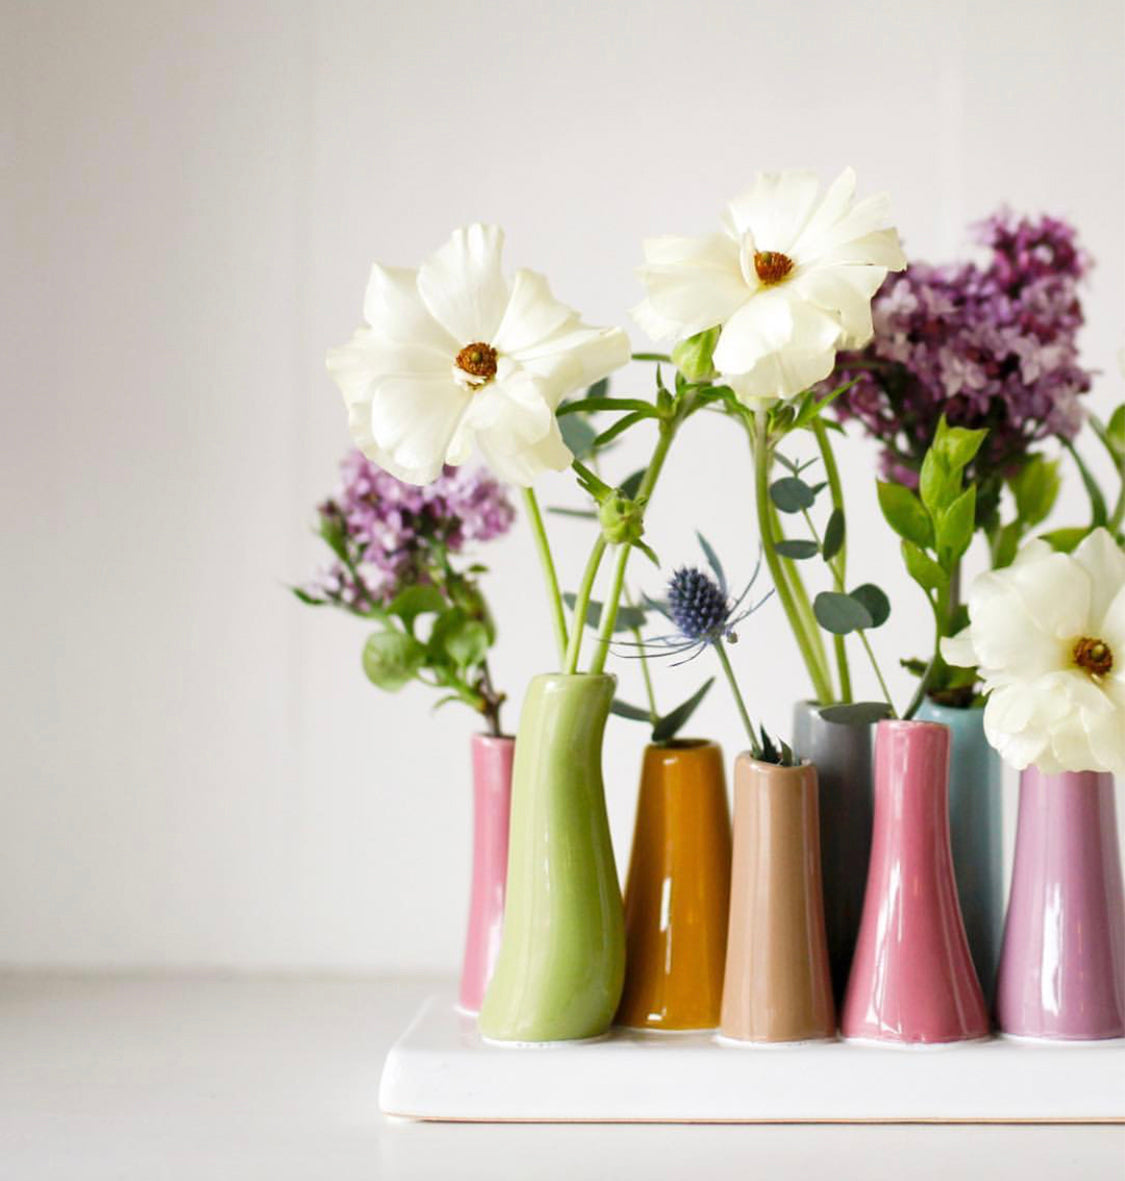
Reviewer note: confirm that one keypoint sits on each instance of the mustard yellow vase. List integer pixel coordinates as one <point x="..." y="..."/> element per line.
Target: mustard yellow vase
<point x="678" y="890"/>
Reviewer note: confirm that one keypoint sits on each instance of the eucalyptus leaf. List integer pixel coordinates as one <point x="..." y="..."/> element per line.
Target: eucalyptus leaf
<point x="599" y="389"/>
<point x="578" y="434"/>
<point x="391" y="659"/>
<point x="841" y="614"/>
<point x="585" y="514"/>
<point x="631" y="485"/>
<point x="875" y="601"/>
<point x="833" y="535"/>
<point x="671" y="723"/>
<point x="792" y="495"/>
<point x="797" y="549"/>
<point x="861" y="713"/>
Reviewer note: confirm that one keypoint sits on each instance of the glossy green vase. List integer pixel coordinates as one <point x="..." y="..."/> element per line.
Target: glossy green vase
<point x="562" y="955"/>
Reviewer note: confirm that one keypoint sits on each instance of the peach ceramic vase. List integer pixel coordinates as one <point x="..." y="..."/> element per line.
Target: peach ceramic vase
<point x="492" y="799"/>
<point x="678" y="890"/>
<point x="777" y="986"/>
<point x="912" y="980"/>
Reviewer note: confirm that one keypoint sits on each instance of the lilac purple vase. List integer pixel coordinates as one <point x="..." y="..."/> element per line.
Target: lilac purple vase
<point x="912" y="980"/>
<point x="492" y="798"/>
<point x="1062" y="964"/>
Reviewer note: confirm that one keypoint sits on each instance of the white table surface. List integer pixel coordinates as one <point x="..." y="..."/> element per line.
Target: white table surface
<point x="271" y="1077"/>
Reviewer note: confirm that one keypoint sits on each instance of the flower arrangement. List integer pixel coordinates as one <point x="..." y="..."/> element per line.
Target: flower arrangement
<point x="797" y="315"/>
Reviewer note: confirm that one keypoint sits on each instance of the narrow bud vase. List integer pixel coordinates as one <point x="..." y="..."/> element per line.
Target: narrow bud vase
<point x="912" y="980"/>
<point x="677" y="893"/>
<point x="1062" y="966"/>
<point x="777" y="986"/>
<point x="562" y="953"/>
<point x="492" y="797"/>
<point x="975" y="833"/>
<point x="841" y="753"/>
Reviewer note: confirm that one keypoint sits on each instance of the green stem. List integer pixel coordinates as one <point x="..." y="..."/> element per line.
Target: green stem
<point x="668" y="430"/>
<point x="650" y="692"/>
<point x="658" y="357"/>
<point x="550" y="576"/>
<point x="724" y="660"/>
<point x="760" y="441"/>
<point x="878" y="671"/>
<point x="838" y="644"/>
<point x="582" y="607"/>
<point x="839" y="564"/>
<point x="927" y="676"/>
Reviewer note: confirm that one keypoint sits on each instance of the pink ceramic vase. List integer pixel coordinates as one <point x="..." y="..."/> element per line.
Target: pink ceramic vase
<point x="1062" y="965"/>
<point x="912" y="980"/>
<point x="492" y="797"/>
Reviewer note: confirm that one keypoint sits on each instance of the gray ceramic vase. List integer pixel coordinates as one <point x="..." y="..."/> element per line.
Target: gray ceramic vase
<point x="841" y="752"/>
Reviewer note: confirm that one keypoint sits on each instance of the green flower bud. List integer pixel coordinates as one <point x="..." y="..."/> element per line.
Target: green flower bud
<point x="622" y="519"/>
<point x="692" y="357"/>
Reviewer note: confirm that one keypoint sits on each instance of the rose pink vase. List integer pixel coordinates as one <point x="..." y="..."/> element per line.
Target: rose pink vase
<point x="492" y="797"/>
<point x="912" y="980"/>
<point x="1062" y="965"/>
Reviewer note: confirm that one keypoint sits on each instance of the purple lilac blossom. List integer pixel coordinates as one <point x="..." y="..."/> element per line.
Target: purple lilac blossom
<point x="391" y="530"/>
<point x="992" y="345"/>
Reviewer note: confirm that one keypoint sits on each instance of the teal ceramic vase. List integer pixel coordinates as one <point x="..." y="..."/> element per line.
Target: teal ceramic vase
<point x="561" y="966"/>
<point x="975" y="833"/>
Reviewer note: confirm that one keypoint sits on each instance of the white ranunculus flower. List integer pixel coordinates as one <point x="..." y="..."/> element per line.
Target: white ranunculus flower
<point x="790" y="281"/>
<point x="456" y="355"/>
<point x="1048" y="636"/>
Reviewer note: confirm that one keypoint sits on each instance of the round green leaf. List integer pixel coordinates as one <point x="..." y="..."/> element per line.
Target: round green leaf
<point x="792" y="495"/>
<point x="840" y="614"/>
<point x="797" y="550"/>
<point x="877" y="604"/>
<point x="833" y="535"/>
<point x="391" y="659"/>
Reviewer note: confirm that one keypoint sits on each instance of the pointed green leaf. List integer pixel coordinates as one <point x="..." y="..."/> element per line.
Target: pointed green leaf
<point x="671" y="723"/>
<point x="633" y="712"/>
<point x="922" y="568"/>
<point x="905" y="513"/>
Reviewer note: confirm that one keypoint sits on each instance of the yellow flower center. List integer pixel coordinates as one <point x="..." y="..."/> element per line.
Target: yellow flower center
<point x="1094" y="656"/>
<point x="772" y="266"/>
<point x="478" y="360"/>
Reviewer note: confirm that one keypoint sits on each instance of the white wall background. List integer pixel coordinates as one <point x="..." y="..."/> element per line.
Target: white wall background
<point x="193" y="769"/>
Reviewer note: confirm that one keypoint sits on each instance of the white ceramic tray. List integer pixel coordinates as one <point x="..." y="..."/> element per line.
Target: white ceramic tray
<point x="440" y="1069"/>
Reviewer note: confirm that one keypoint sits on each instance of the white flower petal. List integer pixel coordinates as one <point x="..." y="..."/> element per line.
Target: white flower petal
<point x="463" y="285"/>
<point x="880" y="249"/>
<point x="532" y="315"/>
<point x="821" y="227"/>
<point x="774" y="209"/>
<point x="395" y="310"/>
<point x="692" y="283"/>
<point x="1102" y="560"/>
<point x="761" y="326"/>
<point x="958" y="650"/>
<point x="575" y="359"/>
<point x="412" y="422"/>
<point x="846" y="292"/>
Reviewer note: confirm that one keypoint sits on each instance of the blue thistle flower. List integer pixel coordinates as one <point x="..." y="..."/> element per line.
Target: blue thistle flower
<point x="700" y="608"/>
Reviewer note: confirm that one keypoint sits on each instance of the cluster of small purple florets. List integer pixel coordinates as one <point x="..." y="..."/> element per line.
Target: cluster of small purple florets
<point x="393" y="532"/>
<point x="987" y="346"/>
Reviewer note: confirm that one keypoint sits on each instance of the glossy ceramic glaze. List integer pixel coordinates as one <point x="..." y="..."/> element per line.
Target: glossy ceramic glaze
<point x="777" y="986"/>
<point x="492" y="797"/>
<point x="677" y="893"/>
<point x="841" y="753"/>
<point x="975" y="833"/>
<point x="1062" y="968"/>
<point x="912" y="978"/>
<point x="562" y="954"/>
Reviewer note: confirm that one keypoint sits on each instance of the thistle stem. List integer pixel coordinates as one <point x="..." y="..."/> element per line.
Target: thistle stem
<point x="760" y="444"/>
<point x="650" y="693"/>
<point x="582" y="606"/>
<point x="839" y="565"/>
<point x="668" y="430"/>
<point x="550" y="576"/>
<point x="724" y="660"/>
